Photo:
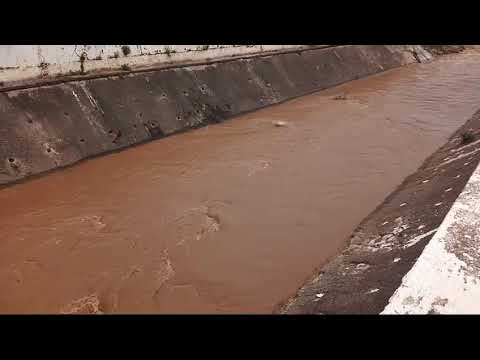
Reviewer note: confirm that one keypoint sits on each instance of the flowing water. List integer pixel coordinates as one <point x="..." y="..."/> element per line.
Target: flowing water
<point x="230" y="218"/>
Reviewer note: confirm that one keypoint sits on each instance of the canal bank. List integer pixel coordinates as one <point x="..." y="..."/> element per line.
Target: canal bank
<point x="444" y="279"/>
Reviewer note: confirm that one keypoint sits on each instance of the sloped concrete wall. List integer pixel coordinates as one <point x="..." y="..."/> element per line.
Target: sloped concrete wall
<point x="445" y="278"/>
<point x="53" y="126"/>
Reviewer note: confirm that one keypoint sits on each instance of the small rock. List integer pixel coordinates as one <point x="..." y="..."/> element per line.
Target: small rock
<point x="280" y="123"/>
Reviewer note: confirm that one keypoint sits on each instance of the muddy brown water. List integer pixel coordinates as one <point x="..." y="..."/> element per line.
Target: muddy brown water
<point x="231" y="218"/>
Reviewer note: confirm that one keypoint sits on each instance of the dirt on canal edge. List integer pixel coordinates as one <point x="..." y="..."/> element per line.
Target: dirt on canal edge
<point x="386" y="244"/>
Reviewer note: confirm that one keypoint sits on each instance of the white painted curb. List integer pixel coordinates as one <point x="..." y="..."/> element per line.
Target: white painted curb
<point x="446" y="277"/>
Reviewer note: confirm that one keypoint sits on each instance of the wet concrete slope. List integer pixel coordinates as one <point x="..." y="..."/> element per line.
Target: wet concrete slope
<point x="53" y="126"/>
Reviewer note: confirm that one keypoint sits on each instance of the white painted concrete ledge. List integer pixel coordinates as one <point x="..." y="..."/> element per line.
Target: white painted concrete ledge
<point x="21" y="62"/>
<point x="446" y="277"/>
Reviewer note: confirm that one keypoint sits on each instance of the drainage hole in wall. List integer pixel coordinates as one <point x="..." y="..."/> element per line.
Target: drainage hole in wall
<point x="110" y="132"/>
<point x="140" y="115"/>
<point x="134" y="126"/>
<point x="65" y="113"/>
<point x="11" y="160"/>
<point x="185" y="93"/>
<point x="179" y="118"/>
<point x="49" y="150"/>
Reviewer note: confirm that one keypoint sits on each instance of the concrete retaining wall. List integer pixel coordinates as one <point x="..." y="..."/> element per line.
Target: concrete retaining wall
<point x="24" y="62"/>
<point x="46" y="127"/>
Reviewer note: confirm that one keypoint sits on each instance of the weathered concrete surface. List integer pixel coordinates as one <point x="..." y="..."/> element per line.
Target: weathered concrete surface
<point x="20" y="63"/>
<point x="386" y="245"/>
<point x="54" y="126"/>
<point x="446" y="277"/>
